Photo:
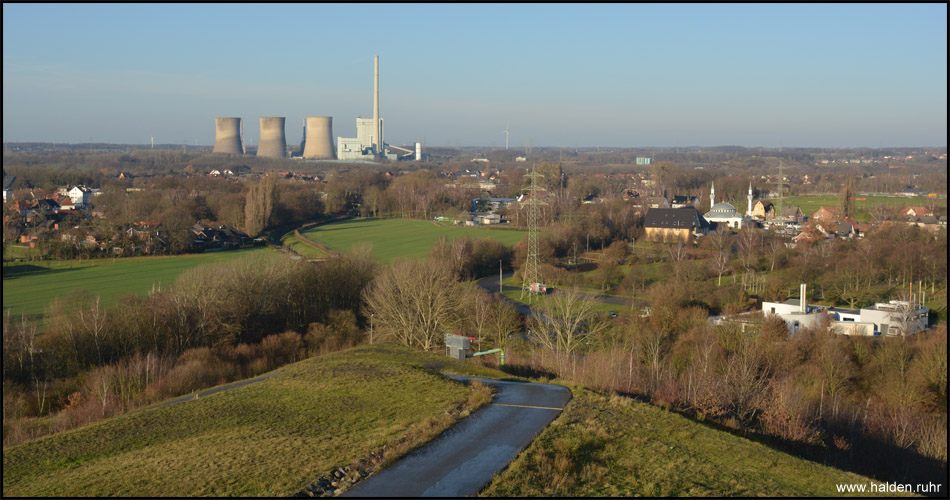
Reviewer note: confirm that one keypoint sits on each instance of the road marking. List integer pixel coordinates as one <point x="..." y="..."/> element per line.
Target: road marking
<point x="525" y="406"/>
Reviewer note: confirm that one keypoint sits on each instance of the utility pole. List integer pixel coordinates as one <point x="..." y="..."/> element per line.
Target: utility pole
<point x="499" y="277"/>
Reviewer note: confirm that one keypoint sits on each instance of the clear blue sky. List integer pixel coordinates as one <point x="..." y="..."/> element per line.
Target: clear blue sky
<point x="844" y="75"/>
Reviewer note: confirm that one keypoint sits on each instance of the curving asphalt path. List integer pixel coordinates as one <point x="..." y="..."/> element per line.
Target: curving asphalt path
<point x="490" y="285"/>
<point x="463" y="459"/>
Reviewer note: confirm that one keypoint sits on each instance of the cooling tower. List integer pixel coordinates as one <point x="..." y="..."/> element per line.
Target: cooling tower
<point x="318" y="144"/>
<point x="227" y="136"/>
<point x="273" y="142"/>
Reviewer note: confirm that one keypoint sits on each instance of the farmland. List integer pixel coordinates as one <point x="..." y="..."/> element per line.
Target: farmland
<point x="392" y="238"/>
<point x="811" y="203"/>
<point x="28" y="287"/>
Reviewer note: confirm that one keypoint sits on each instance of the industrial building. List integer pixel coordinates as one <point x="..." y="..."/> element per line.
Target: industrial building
<point x="273" y="143"/>
<point x="318" y="138"/>
<point x="317" y="141"/>
<point x="893" y="318"/>
<point x="228" y="136"/>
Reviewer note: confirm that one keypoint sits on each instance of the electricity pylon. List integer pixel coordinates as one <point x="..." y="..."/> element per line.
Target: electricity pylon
<point x="532" y="267"/>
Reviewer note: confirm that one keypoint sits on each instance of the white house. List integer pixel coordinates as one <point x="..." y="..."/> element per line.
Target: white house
<point x="79" y="195"/>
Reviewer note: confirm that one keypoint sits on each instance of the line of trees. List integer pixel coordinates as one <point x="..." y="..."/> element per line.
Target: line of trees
<point x="218" y="307"/>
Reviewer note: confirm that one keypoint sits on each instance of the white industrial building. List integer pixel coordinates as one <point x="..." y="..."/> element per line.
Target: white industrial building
<point x="361" y="147"/>
<point x="893" y="318"/>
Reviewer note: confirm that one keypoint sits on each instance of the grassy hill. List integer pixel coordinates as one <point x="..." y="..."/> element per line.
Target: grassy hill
<point x="392" y="238"/>
<point x="615" y="446"/>
<point x="28" y="287"/>
<point x="276" y="436"/>
<point x="270" y="438"/>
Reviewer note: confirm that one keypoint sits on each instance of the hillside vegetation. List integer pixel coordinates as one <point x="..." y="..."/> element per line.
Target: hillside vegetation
<point x="270" y="438"/>
<point x="615" y="446"/>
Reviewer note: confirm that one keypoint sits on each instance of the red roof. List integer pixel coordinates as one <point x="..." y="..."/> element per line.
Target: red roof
<point x="916" y="210"/>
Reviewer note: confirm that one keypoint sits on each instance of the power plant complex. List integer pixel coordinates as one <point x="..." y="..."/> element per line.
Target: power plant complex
<point x="317" y="137"/>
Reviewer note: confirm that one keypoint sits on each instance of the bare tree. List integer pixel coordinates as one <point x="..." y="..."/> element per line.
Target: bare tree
<point x="566" y="323"/>
<point x="415" y="303"/>
<point x="677" y="255"/>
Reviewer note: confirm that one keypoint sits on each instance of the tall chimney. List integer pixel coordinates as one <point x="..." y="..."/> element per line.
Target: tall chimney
<point x="803" y="301"/>
<point x="376" y="135"/>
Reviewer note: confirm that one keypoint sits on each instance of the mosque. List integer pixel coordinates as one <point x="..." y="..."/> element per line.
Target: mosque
<point x="726" y="214"/>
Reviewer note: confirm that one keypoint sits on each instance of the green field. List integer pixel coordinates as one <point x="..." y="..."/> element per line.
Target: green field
<point x="811" y="203"/>
<point x="28" y="287"/>
<point x="291" y="241"/>
<point x="615" y="446"/>
<point x="392" y="238"/>
<point x="270" y="438"/>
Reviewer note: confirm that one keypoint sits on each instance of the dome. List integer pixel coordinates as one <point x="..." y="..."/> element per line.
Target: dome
<point x="723" y="209"/>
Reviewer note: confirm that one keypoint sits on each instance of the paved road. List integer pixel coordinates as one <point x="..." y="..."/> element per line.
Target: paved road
<point x="490" y="284"/>
<point x="462" y="460"/>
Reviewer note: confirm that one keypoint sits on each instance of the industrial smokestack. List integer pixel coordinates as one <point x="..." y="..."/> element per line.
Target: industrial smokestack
<point x="273" y="142"/>
<point x="318" y="141"/>
<point x="377" y="131"/>
<point x="803" y="303"/>
<point x="227" y="136"/>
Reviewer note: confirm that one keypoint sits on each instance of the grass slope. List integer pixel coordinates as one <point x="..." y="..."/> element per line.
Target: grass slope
<point x="614" y="446"/>
<point x="268" y="438"/>
<point x="392" y="238"/>
<point x="28" y="287"/>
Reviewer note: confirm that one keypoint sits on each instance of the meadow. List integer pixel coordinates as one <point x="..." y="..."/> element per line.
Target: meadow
<point x="616" y="446"/>
<point x="392" y="238"/>
<point x="29" y="287"/>
<point x="811" y="203"/>
<point x="271" y="438"/>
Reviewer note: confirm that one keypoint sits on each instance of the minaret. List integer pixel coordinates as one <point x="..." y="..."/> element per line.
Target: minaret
<point x="712" y="195"/>
<point x="749" y="211"/>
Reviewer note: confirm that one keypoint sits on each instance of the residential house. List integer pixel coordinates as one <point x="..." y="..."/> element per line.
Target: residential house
<point x="859" y="229"/>
<point x="792" y="214"/>
<point x="827" y="215"/>
<point x="672" y="224"/>
<point x="680" y="201"/>
<point x="928" y="222"/>
<point x="8" y="181"/>
<point x="916" y="211"/>
<point x="80" y="195"/>
<point x="763" y="210"/>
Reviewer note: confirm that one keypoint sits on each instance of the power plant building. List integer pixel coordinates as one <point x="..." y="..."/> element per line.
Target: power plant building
<point x="318" y="138"/>
<point x="228" y="136"/>
<point x="273" y="142"/>
<point x="363" y="146"/>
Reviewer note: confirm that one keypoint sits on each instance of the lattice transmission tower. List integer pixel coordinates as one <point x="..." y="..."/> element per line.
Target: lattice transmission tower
<point x="533" y="283"/>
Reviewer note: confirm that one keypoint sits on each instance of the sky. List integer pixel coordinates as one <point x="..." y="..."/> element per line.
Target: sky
<point x="565" y="75"/>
